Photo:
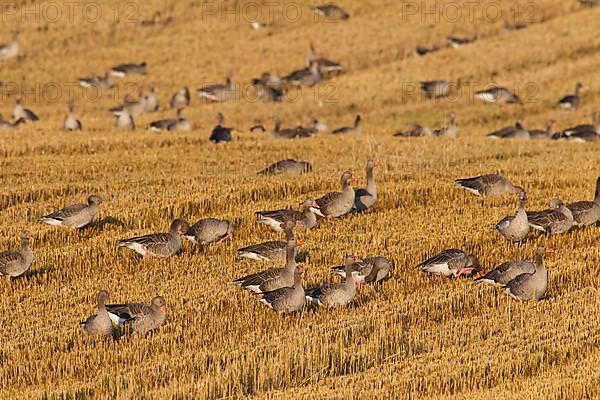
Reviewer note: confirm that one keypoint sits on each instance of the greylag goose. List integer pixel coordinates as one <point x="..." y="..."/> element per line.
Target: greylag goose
<point x="288" y="166"/>
<point x="509" y="270"/>
<point x="451" y="130"/>
<point x="273" y="278"/>
<point x="275" y="219"/>
<point x="121" y="70"/>
<point x="274" y="250"/>
<point x="451" y="262"/>
<point x="180" y="123"/>
<point x="135" y="108"/>
<point x="289" y="133"/>
<point x="586" y="132"/>
<point x="422" y="50"/>
<point x="142" y="317"/>
<point x="10" y="50"/>
<point x="266" y="92"/>
<point x="515" y="228"/>
<point x="513" y="26"/>
<point x="590" y="3"/>
<point x="258" y="128"/>
<point x="548" y="133"/>
<point x="365" y="198"/>
<point x="100" y="82"/>
<point x="557" y="219"/>
<point x="587" y="212"/>
<point x="498" y="95"/>
<point x="349" y="129"/>
<point x="374" y="270"/>
<point x="457" y="42"/>
<point x="151" y="104"/>
<point x="220" y="133"/>
<point x="518" y="131"/>
<point x="338" y="294"/>
<point x="327" y="67"/>
<point x="10" y="126"/>
<point x="22" y="112"/>
<point x="100" y="323"/>
<point x="336" y="204"/>
<point x="415" y="130"/>
<point x="218" y="92"/>
<point x="308" y="76"/>
<point x="530" y="285"/>
<point x="210" y="230"/>
<point x="181" y="98"/>
<point x="160" y="245"/>
<point x="331" y="11"/>
<point x="71" y="122"/>
<point x="435" y="89"/>
<point x="287" y="300"/>
<point x="488" y="185"/>
<point x="572" y="101"/>
<point x="74" y="215"/>
<point x="15" y="263"/>
<point x="124" y="120"/>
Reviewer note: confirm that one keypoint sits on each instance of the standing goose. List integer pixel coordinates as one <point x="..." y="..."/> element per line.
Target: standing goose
<point x="273" y="250"/>
<point x="151" y="103"/>
<point x="572" y="101"/>
<point x="587" y="212"/>
<point x="435" y="89"/>
<point x="275" y="219"/>
<point x="515" y="229"/>
<point x="331" y="10"/>
<point x="273" y="278"/>
<point x="557" y="219"/>
<point x="488" y="185"/>
<point x="15" y="263"/>
<point x="10" y="50"/>
<point x="71" y="122"/>
<point x="160" y="245"/>
<point x="181" y="98"/>
<point x="451" y="262"/>
<point x="287" y="300"/>
<point x="451" y="130"/>
<point x="374" y="270"/>
<point x="349" y="129"/>
<point x="365" y="198"/>
<point x="308" y="76"/>
<point x="548" y="133"/>
<point x="124" y="120"/>
<point x="288" y="166"/>
<point x="509" y="270"/>
<point x="220" y="133"/>
<point x="121" y="70"/>
<point x="10" y="126"/>
<point x="100" y="82"/>
<point x="100" y="323"/>
<point x="423" y="50"/>
<point x="218" y="92"/>
<point x="210" y="230"/>
<point x="338" y="294"/>
<point x="142" y="317"/>
<point x="22" y="112"/>
<point x="498" y="95"/>
<point x="74" y="215"/>
<point x="530" y="285"/>
<point x="518" y="131"/>
<point x="336" y="204"/>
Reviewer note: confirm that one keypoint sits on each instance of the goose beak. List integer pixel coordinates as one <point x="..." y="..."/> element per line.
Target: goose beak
<point x="315" y="204"/>
<point x="354" y="176"/>
<point x="300" y="242"/>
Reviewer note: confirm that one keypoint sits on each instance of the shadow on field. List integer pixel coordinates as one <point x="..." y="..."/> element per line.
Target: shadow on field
<point x="101" y="224"/>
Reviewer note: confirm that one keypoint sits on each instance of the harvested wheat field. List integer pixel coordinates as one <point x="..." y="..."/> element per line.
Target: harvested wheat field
<point x="416" y="335"/>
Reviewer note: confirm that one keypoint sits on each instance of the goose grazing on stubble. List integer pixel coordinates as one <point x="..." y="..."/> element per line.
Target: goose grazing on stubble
<point x="142" y="317"/>
<point x="584" y="212"/>
<point x="338" y="294"/>
<point x="365" y="198"/>
<point x="374" y="270"/>
<point x="515" y="228"/>
<point x="557" y="219"/>
<point x="273" y="278"/>
<point x="451" y="262"/>
<point x="210" y="230"/>
<point x="498" y="95"/>
<point x="508" y="271"/>
<point x="327" y="67"/>
<point x="100" y="323"/>
<point x="75" y="215"/>
<point x="304" y="218"/>
<point x="220" y="133"/>
<point x="287" y="300"/>
<point x="530" y="285"/>
<point x="336" y="204"/>
<point x="349" y="129"/>
<point x="288" y="166"/>
<point x="273" y="250"/>
<point x="15" y="263"/>
<point x="572" y="101"/>
<point x="122" y="70"/>
<point x="181" y="98"/>
<point x="161" y="245"/>
<point x="10" y="50"/>
<point x="488" y="185"/>
<point x="21" y="112"/>
<point x="71" y="122"/>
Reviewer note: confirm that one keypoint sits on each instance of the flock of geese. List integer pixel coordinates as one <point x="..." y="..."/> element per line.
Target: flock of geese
<point x="281" y="288"/>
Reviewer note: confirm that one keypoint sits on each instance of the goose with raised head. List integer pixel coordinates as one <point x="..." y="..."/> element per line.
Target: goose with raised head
<point x="451" y="130"/>
<point x="20" y="112"/>
<point x="338" y="294"/>
<point x="308" y="76"/>
<point x="133" y="107"/>
<point x="220" y="133"/>
<point x="572" y="101"/>
<point x="515" y="228"/>
<point x="530" y="285"/>
<point x="15" y="263"/>
<point x="548" y="133"/>
<point x="365" y="198"/>
<point x="336" y="204"/>
<point x="71" y="122"/>
<point x="124" y="120"/>
<point x="558" y="218"/>
<point x="74" y="215"/>
<point x="488" y="185"/>
<point x="349" y="129"/>
<point x="151" y="104"/>
<point x="585" y="132"/>
<point x="100" y="323"/>
<point x="586" y="212"/>
<point x="181" y="98"/>
<point x="161" y="245"/>
<point x="508" y="271"/>
<point x="287" y="300"/>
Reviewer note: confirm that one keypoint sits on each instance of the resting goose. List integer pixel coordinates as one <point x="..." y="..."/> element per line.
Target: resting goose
<point x="10" y="50"/>
<point x="451" y="262"/>
<point x="181" y="98"/>
<point x="488" y="185"/>
<point x="273" y="278"/>
<point x="435" y="89"/>
<point x="100" y="323"/>
<point x="210" y="230"/>
<point x="10" y="126"/>
<point x="457" y="42"/>
<point x="530" y="285"/>
<point x="572" y="101"/>
<point x="142" y="317"/>
<point x="74" y="215"/>
<point x="160" y="245"/>
<point x="99" y="82"/>
<point x="15" y="263"/>
<point x="330" y="10"/>
<point x="509" y="270"/>
<point x="374" y="270"/>
<point x="218" y="92"/>
<point x="349" y="129"/>
<point x="327" y="67"/>
<point x="288" y="166"/>
<point x="338" y="294"/>
<point x="124" y="120"/>
<point x="121" y="70"/>
<point x="365" y="198"/>
<point x="586" y="132"/>
<point x="557" y="219"/>
<point x="587" y="212"/>
<point x="498" y="95"/>
<point x="151" y="104"/>
<point x="180" y="123"/>
<point x="274" y="250"/>
<point x="21" y="112"/>
<point x="451" y="130"/>
<point x="415" y="130"/>
<point x="549" y="133"/>
<point x="515" y="228"/>
<point x="134" y="108"/>
<point x="518" y="131"/>
<point x="287" y="300"/>
<point x="290" y="133"/>
<point x="220" y="133"/>
<point x="71" y="122"/>
<point x="275" y="219"/>
<point x="336" y="204"/>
